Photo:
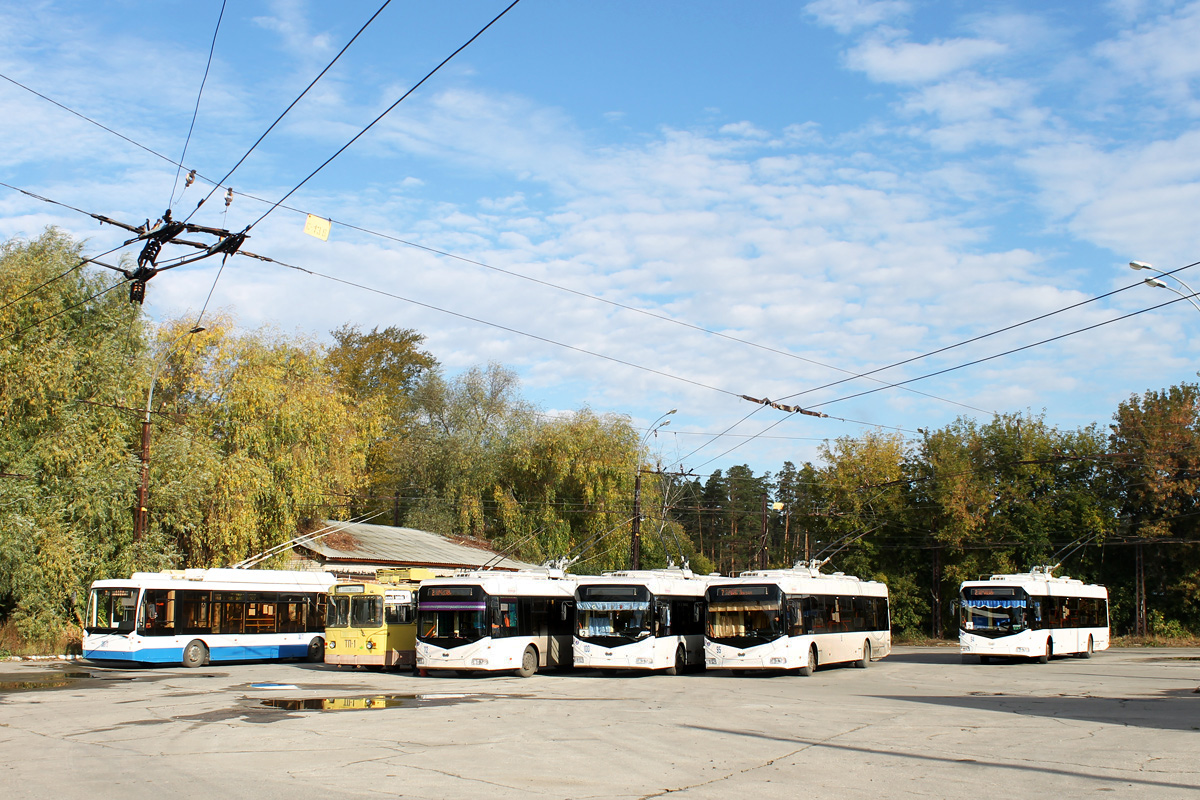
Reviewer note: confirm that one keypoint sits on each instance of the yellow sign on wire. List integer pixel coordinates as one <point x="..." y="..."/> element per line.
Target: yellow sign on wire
<point x="318" y="227"/>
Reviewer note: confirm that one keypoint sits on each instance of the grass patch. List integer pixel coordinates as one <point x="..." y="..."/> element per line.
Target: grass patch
<point x="69" y="642"/>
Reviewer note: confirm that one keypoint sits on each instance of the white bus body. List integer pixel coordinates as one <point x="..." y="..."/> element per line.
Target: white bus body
<point x="1031" y="615"/>
<point x="795" y="619"/>
<point x="195" y="616"/>
<point x="495" y="621"/>
<point x="640" y="619"/>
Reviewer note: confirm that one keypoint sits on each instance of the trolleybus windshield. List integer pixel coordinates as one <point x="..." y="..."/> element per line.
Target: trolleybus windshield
<point x="994" y="611"/>
<point x="744" y="616"/>
<point x="611" y="616"/>
<point x="112" y="610"/>
<point x="451" y="616"/>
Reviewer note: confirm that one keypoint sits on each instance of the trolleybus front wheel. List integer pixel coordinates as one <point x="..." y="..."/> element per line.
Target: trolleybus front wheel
<point x="195" y="654"/>
<point x="1045" y="658"/>
<point x="811" y="666"/>
<point x="316" y="650"/>
<point x="529" y="663"/>
<point x="679" y="665"/>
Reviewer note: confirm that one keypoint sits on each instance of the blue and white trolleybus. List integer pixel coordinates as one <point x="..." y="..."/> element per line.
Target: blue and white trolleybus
<point x="196" y="616"/>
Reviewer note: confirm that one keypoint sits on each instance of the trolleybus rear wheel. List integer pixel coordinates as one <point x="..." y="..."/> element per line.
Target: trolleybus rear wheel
<point x="1091" y="648"/>
<point x="529" y="663"/>
<point x="316" y="650"/>
<point x="865" y="661"/>
<point x="1045" y="658"/>
<point x="195" y="654"/>
<point x="811" y="666"/>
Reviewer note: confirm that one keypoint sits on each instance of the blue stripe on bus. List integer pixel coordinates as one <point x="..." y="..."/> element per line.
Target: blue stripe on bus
<point x="174" y="655"/>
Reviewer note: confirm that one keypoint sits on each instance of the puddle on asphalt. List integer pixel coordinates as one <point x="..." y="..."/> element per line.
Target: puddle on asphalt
<point x="52" y="680"/>
<point x="379" y="701"/>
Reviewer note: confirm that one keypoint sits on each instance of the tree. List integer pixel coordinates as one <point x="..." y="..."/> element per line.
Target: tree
<point x="1155" y="446"/>
<point x="266" y="439"/>
<point x="69" y="341"/>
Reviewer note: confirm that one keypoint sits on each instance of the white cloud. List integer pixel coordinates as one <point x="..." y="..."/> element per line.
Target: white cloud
<point x="885" y="61"/>
<point x="845" y="16"/>
<point x="1159" y="56"/>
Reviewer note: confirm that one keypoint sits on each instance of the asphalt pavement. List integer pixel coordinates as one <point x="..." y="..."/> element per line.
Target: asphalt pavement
<point x="1125" y="723"/>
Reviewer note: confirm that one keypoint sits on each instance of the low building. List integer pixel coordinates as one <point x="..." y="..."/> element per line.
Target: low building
<point x="358" y="550"/>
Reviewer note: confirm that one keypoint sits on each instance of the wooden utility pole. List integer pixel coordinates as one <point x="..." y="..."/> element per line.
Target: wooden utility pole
<point x="635" y="540"/>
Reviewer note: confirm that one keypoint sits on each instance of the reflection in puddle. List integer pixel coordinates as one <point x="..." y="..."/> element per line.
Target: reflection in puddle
<point x="54" y="680"/>
<point x="378" y="701"/>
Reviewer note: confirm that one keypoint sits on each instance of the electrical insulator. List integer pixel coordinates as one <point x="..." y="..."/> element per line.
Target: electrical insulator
<point x="137" y="292"/>
<point x="191" y="178"/>
<point x="229" y="197"/>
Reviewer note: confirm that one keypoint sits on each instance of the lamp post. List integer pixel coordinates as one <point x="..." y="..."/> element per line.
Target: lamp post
<point x="635" y="538"/>
<point x="1139" y="564"/>
<point x="1157" y="284"/>
<point x="141" y="512"/>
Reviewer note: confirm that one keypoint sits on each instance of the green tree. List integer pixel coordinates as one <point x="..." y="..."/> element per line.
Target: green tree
<point x="1155" y="446"/>
<point x="266" y="438"/>
<point x="69" y="340"/>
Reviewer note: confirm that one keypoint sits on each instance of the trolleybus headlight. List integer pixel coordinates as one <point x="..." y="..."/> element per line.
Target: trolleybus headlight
<point x="478" y="662"/>
<point x="331" y="644"/>
<point x="370" y="645"/>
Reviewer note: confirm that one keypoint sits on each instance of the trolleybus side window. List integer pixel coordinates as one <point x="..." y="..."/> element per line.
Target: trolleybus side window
<point x="397" y="612"/>
<point x="505" y="617"/>
<point x="294" y="612"/>
<point x="229" y="612"/>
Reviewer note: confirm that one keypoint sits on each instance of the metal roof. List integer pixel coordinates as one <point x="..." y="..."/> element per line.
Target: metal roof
<point x="348" y="542"/>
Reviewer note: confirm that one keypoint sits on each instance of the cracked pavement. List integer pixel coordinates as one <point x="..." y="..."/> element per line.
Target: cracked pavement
<point x="1125" y="723"/>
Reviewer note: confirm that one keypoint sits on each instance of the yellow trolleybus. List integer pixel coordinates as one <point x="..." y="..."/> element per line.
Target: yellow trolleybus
<point x="374" y="623"/>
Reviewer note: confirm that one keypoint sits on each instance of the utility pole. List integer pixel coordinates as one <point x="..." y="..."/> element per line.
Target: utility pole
<point x="762" y="542"/>
<point x="635" y="540"/>
<point x="1140" y="625"/>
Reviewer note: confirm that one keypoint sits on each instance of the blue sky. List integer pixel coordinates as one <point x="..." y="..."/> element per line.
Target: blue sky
<point x="839" y="184"/>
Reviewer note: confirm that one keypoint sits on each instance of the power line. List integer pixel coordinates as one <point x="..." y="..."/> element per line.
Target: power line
<point x="65" y="310"/>
<point x="196" y="111"/>
<point x="286" y="110"/>
<point x="386" y="111"/>
<point x="1005" y="353"/>
<point x="982" y="336"/>
<point x="496" y="325"/>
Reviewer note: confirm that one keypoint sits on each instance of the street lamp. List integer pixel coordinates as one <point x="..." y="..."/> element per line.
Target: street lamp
<point x="141" y="513"/>
<point x="1157" y="284"/>
<point x="635" y="539"/>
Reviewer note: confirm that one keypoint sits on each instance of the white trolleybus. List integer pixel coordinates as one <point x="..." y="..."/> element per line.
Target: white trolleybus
<point x="795" y="619"/>
<point x="196" y="616"/>
<point x="494" y="621"/>
<point x="1031" y="615"/>
<point x="640" y="619"/>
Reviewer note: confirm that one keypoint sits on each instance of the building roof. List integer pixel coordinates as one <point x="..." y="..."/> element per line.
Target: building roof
<point x="361" y="543"/>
